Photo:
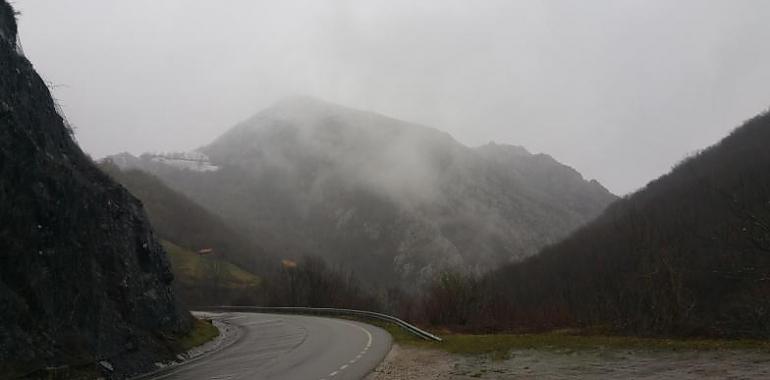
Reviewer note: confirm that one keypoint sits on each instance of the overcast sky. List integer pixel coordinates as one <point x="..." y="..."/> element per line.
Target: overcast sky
<point x="620" y="90"/>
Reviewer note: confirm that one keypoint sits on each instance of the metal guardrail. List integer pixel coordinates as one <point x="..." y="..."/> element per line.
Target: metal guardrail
<point x="414" y="330"/>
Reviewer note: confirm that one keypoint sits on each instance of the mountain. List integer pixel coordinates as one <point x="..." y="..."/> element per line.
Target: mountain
<point x="85" y="287"/>
<point x="393" y="200"/>
<point x="689" y="254"/>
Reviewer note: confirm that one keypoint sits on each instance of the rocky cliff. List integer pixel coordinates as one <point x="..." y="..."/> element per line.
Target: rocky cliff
<point x="85" y="287"/>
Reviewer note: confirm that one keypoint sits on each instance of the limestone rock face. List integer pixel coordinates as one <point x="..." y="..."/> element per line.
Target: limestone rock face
<point x="82" y="278"/>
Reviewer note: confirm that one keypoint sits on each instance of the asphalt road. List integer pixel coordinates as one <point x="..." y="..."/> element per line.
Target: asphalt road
<point x="291" y="347"/>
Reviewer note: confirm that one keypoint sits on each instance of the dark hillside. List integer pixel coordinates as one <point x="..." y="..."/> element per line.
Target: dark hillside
<point x="178" y="219"/>
<point x="687" y="255"/>
<point x="83" y="279"/>
<point x="181" y="221"/>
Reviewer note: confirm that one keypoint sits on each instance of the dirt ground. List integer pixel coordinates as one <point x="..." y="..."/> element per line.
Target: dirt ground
<point x="406" y="362"/>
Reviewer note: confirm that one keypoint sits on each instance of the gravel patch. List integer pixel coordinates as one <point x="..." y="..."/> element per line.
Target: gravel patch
<point x="414" y="363"/>
<point x="405" y="362"/>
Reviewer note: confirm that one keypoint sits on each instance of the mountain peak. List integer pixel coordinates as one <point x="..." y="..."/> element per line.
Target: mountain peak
<point x="493" y="147"/>
<point x="316" y="123"/>
<point x="302" y="109"/>
<point x="302" y="101"/>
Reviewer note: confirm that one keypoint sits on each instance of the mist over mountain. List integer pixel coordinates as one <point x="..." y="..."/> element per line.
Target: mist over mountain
<point x="85" y="287"/>
<point x="391" y="199"/>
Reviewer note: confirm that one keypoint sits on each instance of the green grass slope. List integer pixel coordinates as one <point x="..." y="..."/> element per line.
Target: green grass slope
<point x="206" y="280"/>
<point x="192" y="268"/>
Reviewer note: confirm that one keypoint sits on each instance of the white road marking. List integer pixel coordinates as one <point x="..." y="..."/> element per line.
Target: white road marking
<point x="260" y="322"/>
<point x="368" y="344"/>
<point x="368" y="334"/>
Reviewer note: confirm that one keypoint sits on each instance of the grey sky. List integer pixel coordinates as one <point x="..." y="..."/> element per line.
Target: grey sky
<point x="620" y="90"/>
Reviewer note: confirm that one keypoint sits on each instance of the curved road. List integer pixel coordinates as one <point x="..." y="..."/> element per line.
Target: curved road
<point x="291" y="347"/>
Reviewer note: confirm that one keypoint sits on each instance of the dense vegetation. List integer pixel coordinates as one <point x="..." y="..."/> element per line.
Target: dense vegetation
<point x="312" y="282"/>
<point x="687" y="255"/>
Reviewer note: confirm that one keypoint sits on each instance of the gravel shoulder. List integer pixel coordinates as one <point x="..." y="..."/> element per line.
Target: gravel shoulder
<point x="406" y="362"/>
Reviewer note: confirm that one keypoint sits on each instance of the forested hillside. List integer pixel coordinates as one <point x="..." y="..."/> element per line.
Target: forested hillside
<point x="689" y="254"/>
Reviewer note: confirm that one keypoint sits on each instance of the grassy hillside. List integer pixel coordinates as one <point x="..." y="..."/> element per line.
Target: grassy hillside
<point x="205" y="280"/>
<point x="191" y="268"/>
